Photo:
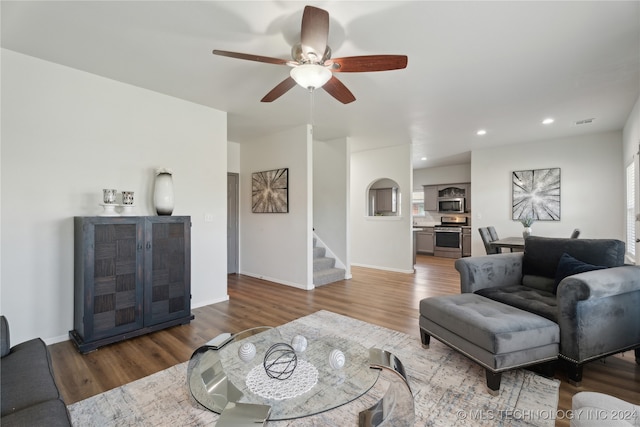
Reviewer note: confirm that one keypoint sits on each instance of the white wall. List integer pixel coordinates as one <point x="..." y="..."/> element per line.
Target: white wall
<point x="591" y="186"/>
<point x="66" y="135"/>
<point x="233" y="157"/>
<point x="441" y="175"/>
<point x="278" y="246"/>
<point x="381" y="242"/>
<point x="331" y="168"/>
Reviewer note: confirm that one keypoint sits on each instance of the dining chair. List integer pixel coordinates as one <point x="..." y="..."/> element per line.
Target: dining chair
<point x="486" y="239"/>
<point x="575" y="233"/>
<point x="493" y="233"/>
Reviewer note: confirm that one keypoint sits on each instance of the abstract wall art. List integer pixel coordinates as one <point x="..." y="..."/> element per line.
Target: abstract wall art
<point x="270" y="191"/>
<point x="536" y="194"/>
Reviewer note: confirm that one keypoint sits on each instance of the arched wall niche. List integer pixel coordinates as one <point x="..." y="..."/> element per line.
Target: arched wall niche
<point x="383" y="198"/>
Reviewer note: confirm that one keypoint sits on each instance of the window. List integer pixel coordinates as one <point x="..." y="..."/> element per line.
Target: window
<point x="417" y="203"/>
<point x="631" y="209"/>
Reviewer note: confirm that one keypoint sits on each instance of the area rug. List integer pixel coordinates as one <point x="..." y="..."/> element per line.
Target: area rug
<point x="448" y="389"/>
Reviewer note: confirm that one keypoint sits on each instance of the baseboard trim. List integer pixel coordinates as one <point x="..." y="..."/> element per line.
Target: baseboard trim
<point x="279" y="281"/>
<point x="209" y="302"/>
<point x="377" y="267"/>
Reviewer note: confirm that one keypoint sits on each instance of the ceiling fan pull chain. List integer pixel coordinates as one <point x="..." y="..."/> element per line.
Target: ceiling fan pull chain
<point x="311" y="91"/>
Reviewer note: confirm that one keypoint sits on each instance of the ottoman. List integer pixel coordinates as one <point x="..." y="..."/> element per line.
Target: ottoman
<point x="495" y="335"/>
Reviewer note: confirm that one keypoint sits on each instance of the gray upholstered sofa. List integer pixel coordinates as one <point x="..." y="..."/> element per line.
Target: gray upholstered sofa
<point x="598" y="311"/>
<point x="30" y="396"/>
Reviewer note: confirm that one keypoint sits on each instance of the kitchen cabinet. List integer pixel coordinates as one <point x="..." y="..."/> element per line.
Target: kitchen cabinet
<point x="424" y="241"/>
<point x="132" y="277"/>
<point x="451" y="190"/>
<point x="386" y="200"/>
<point x="466" y="241"/>
<point x="430" y="198"/>
<point x="432" y="192"/>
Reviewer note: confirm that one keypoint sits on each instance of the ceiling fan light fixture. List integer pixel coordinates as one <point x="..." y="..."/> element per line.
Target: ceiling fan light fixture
<point x="310" y="76"/>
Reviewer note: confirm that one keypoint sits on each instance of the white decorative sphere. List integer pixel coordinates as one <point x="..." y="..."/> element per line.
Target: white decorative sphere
<point x="299" y="343"/>
<point x="246" y="351"/>
<point x="337" y="359"/>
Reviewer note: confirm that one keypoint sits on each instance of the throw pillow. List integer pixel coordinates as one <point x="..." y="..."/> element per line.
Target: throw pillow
<point x="568" y="266"/>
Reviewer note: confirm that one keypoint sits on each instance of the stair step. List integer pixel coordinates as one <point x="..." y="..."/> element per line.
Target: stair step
<point x="328" y="276"/>
<point x="323" y="263"/>
<point x="318" y="252"/>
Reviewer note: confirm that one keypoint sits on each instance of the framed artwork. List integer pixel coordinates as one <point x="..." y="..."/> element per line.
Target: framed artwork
<point x="536" y="194"/>
<point x="270" y="191"/>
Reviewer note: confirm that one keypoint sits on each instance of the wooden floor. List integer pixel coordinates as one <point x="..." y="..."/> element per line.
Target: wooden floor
<point x="383" y="298"/>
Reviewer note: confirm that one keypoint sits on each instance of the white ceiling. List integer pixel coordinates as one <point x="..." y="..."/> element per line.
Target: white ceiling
<point x="501" y="66"/>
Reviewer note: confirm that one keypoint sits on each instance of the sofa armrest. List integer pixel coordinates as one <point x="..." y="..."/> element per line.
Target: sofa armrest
<point x="598" y="312"/>
<point x="481" y="272"/>
<point x="599" y="283"/>
<point x="5" y="341"/>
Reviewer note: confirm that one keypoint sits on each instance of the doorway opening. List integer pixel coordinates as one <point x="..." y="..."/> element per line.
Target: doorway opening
<point x="232" y="222"/>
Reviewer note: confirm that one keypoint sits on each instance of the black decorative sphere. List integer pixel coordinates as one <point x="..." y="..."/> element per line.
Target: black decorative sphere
<point x="280" y="361"/>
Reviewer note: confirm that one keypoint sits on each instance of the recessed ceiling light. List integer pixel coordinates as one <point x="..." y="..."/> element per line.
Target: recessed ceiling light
<point x="423" y="158"/>
<point x="481" y="132"/>
<point x="548" y="121"/>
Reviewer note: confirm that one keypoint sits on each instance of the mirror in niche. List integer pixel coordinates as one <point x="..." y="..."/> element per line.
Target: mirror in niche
<point x="383" y="198"/>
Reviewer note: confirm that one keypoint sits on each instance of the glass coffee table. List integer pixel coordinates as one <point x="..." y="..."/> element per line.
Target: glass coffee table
<point x="238" y="389"/>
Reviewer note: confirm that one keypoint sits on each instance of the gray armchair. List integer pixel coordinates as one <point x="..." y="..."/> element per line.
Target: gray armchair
<point x="597" y="310"/>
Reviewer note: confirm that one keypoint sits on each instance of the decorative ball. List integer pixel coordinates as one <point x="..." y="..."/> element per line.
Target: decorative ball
<point x="280" y="361"/>
<point x="337" y="359"/>
<point x="246" y="351"/>
<point x="299" y="343"/>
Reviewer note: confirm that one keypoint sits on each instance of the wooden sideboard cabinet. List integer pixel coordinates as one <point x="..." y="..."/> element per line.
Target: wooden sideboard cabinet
<point x="132" y="277"/>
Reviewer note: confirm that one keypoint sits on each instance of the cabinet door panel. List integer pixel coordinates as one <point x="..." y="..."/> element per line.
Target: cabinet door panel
<point x="167" y="269"/>
<point x="430" y="198"/>
<point x="113" y="299"/>
<point x="424" y="242"/>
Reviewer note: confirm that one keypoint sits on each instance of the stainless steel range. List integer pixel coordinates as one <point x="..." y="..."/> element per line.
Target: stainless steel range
<point x="448" y="237"/>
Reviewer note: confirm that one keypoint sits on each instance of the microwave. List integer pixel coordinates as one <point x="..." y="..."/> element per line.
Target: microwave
<point x="451" y="204"/>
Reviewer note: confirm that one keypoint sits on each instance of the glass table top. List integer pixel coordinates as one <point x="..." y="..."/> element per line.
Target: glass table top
<point x="218" y="377"/>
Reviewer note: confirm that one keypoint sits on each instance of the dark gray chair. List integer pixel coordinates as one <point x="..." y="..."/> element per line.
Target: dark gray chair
<point x="486" y="239"/>
<point x="493" y="233"/>
<point x="563" y="280"/>
<point x="575" y="233"/>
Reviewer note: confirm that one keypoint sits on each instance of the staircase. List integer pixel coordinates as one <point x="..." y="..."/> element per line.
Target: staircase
<point x="324" y="270"/>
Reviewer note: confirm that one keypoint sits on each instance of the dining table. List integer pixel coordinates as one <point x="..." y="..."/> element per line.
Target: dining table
<point x="509" y="243"/>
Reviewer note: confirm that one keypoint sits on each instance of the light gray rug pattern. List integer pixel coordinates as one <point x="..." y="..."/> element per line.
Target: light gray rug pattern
<point x="448" y="389"/>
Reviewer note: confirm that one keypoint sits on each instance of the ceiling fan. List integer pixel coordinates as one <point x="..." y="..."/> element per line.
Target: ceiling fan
<point x="312" y="65"/>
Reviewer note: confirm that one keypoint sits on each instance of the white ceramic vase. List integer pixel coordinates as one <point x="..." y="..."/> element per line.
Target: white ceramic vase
<point x="527" y="232"/>
<point x="163" y="192"/>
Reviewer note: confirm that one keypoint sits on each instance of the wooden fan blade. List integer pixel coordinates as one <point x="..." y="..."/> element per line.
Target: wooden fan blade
<point x="314" y="32"/>
<point x="250" y="57"/>
<point x="338" y="90"/>
<point x="356" y="64"/>
<point x="279" y="90"/>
